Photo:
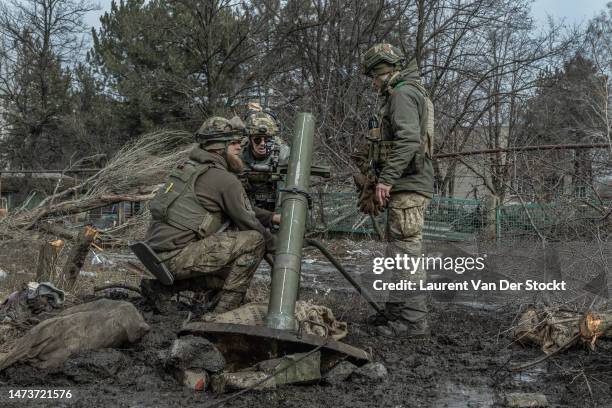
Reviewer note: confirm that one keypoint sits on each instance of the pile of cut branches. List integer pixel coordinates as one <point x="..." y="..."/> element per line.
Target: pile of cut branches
<point x="133" y="174"/>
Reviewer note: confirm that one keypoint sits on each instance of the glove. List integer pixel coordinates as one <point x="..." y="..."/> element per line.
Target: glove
<point x="360" y="180"/>
<point x="367" y="199"/>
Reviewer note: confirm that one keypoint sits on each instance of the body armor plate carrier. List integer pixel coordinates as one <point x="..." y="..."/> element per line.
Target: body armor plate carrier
<point x="379" y="149"/>
<point x="176" y="203"/>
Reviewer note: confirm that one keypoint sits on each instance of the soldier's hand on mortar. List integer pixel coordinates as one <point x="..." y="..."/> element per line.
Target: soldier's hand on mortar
<point x="383" y="193"/>
<point x="276" y="219"/>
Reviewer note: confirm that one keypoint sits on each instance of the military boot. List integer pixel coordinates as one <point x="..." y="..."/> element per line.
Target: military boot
<point x="381" y="318"/>
<point x="228" y="300"/>
<point x="157" y="294"/>
<point x="404" y="329"/>
<point x="377" y="319"/>
<point x="409" y="320"/>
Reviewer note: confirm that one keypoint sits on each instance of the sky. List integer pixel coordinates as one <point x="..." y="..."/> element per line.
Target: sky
<point x="93" y="18"/>
<point x="572" y="11"/>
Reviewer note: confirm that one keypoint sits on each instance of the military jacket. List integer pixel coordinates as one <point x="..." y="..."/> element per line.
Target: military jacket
<point x="403" y="156"/>
<point x="208" y="196"/>
<point x="260" y="184"/>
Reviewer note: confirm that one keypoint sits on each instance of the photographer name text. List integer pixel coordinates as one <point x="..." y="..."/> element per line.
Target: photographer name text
<point x="473" y="284"/>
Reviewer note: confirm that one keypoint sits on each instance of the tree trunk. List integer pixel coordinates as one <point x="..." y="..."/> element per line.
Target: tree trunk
<point x="57" y="230"/>
<point x="77" y="256"/>
<point x="490" y="203"/>
<point x="47" y="257"/>
<point x="120" y="213"/>
<point x="28" y="219"/>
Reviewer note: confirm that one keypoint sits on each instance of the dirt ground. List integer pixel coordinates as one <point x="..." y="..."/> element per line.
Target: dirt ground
<point x="465" y="364"/>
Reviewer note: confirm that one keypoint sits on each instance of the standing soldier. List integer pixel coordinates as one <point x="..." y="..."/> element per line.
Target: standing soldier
<point x="399" y="175"/>
<point x="262" y="154"/>
<point x="201" y="195"/>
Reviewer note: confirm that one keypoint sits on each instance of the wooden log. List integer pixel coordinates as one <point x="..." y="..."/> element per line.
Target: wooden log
<point x="83" y="204"/>
<point x="57" y="230"/>
<point x="596" y="324"/>
<point x="47" y="258"/>
<point x="120" y="213"/>
<point x="77" y="256"/>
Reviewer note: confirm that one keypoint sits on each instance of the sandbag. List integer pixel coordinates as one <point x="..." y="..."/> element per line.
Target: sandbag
<point x="99" y="324"/>
<point x="547" y="328"/>
<point x="254" y="314"/>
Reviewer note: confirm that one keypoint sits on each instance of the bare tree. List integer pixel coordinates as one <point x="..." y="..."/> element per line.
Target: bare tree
<point x="38" y="37"/>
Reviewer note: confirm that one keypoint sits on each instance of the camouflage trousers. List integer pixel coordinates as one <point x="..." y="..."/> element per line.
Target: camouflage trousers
<point x="226" y="260"/>
<point x="405" y="219"/>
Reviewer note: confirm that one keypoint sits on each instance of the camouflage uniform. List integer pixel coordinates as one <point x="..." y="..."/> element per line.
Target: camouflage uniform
<point x="260" y="183"/>
<point x="400" y="150"/>
<point x="200" y="196"/>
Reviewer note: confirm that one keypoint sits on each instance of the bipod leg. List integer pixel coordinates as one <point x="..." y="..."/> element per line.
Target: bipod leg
<point x="349" y="278"/>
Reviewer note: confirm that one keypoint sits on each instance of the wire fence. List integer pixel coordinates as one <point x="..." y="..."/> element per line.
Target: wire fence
<point x="455" y="219"/>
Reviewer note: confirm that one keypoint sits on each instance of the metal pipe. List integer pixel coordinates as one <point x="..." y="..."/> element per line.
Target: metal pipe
<point x="349" y="278"/>
<point x="56" y="171"/>
<point x="288" y="255"/>
<point x="521" y="149"/>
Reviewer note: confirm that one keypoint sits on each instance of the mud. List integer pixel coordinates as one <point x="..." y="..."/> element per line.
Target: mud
<point x="465" y="364"/>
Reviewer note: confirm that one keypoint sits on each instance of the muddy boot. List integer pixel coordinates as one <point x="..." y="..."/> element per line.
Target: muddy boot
<point x="229" y="300"/>
<point x="158" y="295"/>
<point x="380" y="319"/>
<point x="405" y="330"/>
<point x="409" y="320"/>
<point x="377" y="319"/>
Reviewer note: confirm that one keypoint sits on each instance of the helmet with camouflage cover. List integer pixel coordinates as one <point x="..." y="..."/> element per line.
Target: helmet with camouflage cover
<point x="382" y="59"/>
<point x="216" y="132"/>
<point x="259" y="122"/>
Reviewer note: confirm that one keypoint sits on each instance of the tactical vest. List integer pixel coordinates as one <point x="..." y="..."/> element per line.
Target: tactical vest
<point x="259" y="180"/>
<point x="177" y="204"/>
<point x="379" y="149"/>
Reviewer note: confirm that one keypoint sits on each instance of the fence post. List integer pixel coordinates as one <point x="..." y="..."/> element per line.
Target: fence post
<point x="498" y="215"/>
<point x="491" y="216"/>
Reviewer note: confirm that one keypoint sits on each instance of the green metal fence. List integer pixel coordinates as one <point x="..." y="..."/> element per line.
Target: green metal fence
<point x="456" y="219"/>
<point x="554" y="220"/>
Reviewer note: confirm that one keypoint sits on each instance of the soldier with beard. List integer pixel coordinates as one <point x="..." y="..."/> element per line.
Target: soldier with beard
<point x="201" y="195"/>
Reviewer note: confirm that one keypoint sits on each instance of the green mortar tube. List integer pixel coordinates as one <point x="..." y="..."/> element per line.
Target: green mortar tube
<point x="288" y="255"/>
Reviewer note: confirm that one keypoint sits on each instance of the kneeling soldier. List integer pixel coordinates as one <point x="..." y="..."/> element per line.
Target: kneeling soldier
<point x="201" y="195"/>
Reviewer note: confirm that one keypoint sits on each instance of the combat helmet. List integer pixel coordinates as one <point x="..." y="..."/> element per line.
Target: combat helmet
<point x="216" y="132"/>
<point x="382" y="59"/>
<point x="260" y="122"/>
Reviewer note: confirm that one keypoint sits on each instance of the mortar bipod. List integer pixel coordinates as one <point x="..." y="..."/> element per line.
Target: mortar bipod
<point x="334" y="261"/>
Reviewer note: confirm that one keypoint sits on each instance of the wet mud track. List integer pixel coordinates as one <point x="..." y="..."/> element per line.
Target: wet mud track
<point x="464" y="364"/>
